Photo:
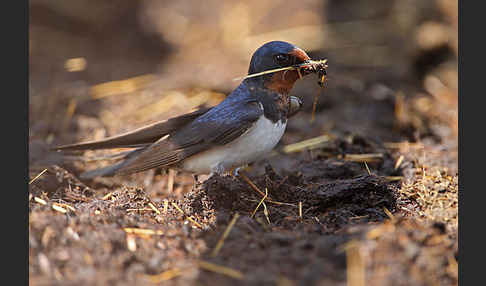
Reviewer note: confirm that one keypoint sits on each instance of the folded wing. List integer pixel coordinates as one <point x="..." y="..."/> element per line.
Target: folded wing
<point x="219" y="126"/>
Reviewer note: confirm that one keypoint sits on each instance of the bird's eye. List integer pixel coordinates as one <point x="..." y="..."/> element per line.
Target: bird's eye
<point x="282" y="58"/>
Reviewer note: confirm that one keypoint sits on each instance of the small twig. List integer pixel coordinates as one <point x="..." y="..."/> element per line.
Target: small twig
<point x="252" y="185"/>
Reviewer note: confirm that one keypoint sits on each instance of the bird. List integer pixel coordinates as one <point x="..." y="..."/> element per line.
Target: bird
<point x="241" y="129"/>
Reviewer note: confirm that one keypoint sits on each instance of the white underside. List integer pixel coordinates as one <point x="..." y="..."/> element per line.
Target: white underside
<point x="254" y="144"/>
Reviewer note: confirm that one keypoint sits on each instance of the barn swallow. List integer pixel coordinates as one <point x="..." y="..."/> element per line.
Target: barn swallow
<point x="242" y="128"/>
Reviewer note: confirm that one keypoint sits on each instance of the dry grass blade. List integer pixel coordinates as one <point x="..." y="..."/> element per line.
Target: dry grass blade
<point x="59" y="209"/>
<point x="131" y="243"/>
<point x="142" y="231"/>
<point x="258" y="206"/>
<point x="403" y="145"/>
<point x="265" y="212"/>
<point x="220" y="269"/>
<point x="296" y="67"/>
<point x="367" y="168"/>
<point x="300" y="210"/>
<point x="389" y="214"/>
<point x="256" y="189"/>
<point x="38" y="176"/>
<point x="40" y="201"/>
<point x="166" y="206"/>
<point x="164" y="276"/>
<point x="264" y="72"/>
<point x="399" y="161"/>
<point x="65" y="206"/>
<point x="308" y="144"/>
<point x="225" y="234"/>
<point x="140" y="210"/>
<point x="107" y="196"/>
<point x="188" y="217"/>
<point x="369" y="158"/>
<point x="121" y="86"/>
<point x="355" y="270"/>
<point x="393" y="178"/>
<point x="151" y="205"/>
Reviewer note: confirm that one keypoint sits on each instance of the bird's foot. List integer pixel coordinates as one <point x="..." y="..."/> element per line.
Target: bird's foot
<point x="234" y="172"/>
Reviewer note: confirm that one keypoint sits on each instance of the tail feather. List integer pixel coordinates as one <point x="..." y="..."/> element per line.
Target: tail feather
<point x="108" y="171"/>
<point x="111" y="170"/>
<point x="140" y="137"/>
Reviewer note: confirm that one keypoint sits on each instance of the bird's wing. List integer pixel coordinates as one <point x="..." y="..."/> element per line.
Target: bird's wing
<point x="140" y="137"/>
<point x="219" y="126"/>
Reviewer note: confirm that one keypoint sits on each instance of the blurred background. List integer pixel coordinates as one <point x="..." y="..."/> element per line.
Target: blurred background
<point x="100" y="67"/>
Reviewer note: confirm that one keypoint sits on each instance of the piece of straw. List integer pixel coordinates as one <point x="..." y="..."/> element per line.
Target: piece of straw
<point x="164" y="276"/>
<point x="255" y="210"/>
<point x="38" y="176"/>
<point x="188" y="217"/>
<point x="153" y="208"/>
<point x="300" y="210"/>
<point x="59" y="209"/>
<point x="40" y="201"/>
<point x="295" y="67"/>
<point x="399" y="162"/>
<point x="225" y="234"/>
<point x="308" y="144"/>
<point x="220" y="269"/>
<point x="142" y="231"/>
<point x="255" y="188"/>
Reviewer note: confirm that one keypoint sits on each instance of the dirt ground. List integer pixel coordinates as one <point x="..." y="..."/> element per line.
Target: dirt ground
<point x="371" y="199"/>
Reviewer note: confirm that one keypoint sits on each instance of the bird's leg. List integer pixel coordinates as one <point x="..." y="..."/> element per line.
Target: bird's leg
<point x="234" y="172"/>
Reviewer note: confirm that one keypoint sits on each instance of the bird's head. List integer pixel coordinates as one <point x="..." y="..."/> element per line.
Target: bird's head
<point x="274" y="55"/>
